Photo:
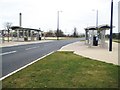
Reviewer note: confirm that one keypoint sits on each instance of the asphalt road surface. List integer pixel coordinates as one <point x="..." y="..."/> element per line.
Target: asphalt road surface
<point x="15" y="57"/>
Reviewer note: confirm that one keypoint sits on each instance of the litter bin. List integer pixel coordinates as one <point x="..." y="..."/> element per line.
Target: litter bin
<point x="25" y="39"/>
<point x="95" y="41"/>
<point x="39" y="38"/>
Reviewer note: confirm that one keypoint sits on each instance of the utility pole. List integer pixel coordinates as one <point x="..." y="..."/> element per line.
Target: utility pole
<point x="58" y="24"/>
<point x="97" y="18"/>
<point x="20" y="21"/>
<point x="111" y="27"/>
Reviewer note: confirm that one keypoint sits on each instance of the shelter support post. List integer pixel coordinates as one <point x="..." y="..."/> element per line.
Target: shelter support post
<point x="17" y="34"/>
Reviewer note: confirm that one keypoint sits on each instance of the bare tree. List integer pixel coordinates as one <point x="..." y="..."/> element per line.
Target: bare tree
<point x="8" y="26"/>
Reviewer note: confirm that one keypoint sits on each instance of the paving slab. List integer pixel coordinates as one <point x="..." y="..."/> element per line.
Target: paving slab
<point x="94" y="52"/>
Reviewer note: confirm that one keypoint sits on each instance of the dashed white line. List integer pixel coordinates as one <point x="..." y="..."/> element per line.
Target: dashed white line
<point x="7" y="53"/>
<point x="31" y="48"/>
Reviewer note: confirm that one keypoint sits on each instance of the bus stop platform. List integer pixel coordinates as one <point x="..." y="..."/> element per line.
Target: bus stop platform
<point x="94" y="52"/>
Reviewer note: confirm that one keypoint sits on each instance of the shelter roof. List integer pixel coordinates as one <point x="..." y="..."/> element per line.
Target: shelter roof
<point x="91" y="28"/>
<point x="101" y="27"/>
<point x="104" y="27"/>
<point x="21" y="28"/>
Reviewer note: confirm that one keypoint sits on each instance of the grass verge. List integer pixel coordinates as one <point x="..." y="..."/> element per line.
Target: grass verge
<point x="65" y="70"/>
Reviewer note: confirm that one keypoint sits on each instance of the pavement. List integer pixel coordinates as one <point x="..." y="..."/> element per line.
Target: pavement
<point x="16" y="43"/>
<point x="94" y="52"/>
<point x="11" y="43"/>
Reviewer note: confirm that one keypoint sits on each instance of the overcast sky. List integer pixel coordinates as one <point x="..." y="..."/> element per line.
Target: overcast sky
<point x="43" y="13"/>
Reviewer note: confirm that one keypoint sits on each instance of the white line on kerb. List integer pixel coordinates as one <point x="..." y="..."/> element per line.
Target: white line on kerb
<point x="7" y="53"/>
<point x="25" y="66"/>
<point x="31" y="48"/>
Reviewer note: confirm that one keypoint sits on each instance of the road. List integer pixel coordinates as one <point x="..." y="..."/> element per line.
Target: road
<point x="15" y="57"/>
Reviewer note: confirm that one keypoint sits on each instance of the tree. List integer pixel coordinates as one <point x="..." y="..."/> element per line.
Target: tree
<point x="75" y="34"/>
<point x="8" y="26"/>
<point x="114" y="36"/>
<point x="50" y="33"/>
<point x="59" y="33"/>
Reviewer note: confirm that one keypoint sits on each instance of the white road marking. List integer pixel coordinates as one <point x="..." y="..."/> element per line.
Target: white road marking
<point x="25" y="66"/>
<point x="7" y="53"/>
<point x="31" y="48"/>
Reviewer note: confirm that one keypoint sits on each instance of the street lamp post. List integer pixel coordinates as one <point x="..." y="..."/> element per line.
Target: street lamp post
<point x="58" y="25"/>
<point x="96" y="23"/>
<point x="96" y="17"/>
<point x="20" y="20"/>
<point x="111" y="27"/>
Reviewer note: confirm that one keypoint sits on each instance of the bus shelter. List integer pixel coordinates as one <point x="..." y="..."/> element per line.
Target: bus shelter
<point x="90" y="34"/>
<point x="25" y="34"/>
<point x="4" y="35"/>
<point x="102" y="31"/>
<point x="95" y="36"/>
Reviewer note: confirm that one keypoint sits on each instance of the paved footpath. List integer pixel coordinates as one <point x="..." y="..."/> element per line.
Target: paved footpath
<point x="8" y="44"/>
<point x="94" y="52"/>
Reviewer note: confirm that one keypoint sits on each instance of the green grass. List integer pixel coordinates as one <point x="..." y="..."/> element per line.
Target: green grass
<point x="116" y="40"/>
<point x="65" y="70"/>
